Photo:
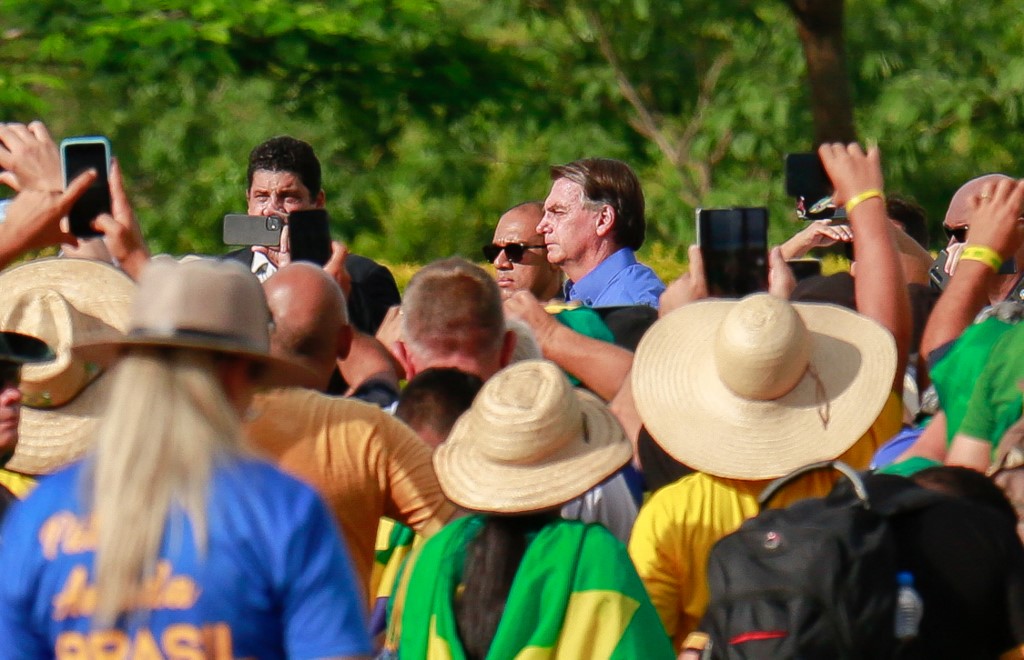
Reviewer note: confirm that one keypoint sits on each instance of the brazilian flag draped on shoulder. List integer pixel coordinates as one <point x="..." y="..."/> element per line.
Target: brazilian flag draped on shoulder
<point x="576" y="595"/>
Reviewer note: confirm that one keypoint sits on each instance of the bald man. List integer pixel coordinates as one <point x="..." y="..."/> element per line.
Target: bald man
<point x="519" y="255"/>
<point x="984" y="212"/>
<point x="363" y="462"/>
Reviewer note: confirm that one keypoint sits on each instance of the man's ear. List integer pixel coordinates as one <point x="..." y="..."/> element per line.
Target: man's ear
<point x="320" y="200"/>
<point x="343" y="343"/>
<point x="605" y="220"/>
<point x="405" y="359"/>
<point x="508" y="347"/>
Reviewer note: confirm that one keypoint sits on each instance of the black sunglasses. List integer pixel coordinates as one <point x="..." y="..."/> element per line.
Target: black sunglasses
<point x="959" y="233"/>
<point x="514" y="251"/>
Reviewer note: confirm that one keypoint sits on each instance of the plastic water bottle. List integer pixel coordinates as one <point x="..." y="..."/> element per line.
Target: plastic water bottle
<point x="909" y="607"/>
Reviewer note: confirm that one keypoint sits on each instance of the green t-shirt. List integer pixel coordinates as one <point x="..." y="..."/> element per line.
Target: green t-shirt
<point x="995" y="403"/>
<point x="957" y="372"/>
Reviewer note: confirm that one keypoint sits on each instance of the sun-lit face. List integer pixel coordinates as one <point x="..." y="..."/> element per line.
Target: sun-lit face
<point x="533" y="273"/>
<point x="569" y="225"/>
<point x="278" y="193"/>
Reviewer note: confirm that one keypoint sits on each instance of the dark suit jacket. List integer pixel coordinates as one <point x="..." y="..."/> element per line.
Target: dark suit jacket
<point x="373" y="289"/>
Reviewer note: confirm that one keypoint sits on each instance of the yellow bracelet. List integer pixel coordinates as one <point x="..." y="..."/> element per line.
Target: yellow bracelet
<point x="863" y="197"/>
<point x="984" y="254"/>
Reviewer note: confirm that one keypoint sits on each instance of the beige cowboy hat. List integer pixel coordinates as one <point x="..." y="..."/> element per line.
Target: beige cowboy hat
<point x="753" y="389"/>
<point x="61" y="301"/>
<point x="529" y="442"/>
<point x="205" y="304"/>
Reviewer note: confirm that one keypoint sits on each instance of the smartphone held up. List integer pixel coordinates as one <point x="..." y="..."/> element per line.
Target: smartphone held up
<point x="309" y="235"/>
<point x="77" y="155"/>
<point x="734" y="246"/>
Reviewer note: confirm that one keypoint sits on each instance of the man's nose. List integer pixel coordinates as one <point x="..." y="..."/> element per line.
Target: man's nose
<point x="502" y="262"/>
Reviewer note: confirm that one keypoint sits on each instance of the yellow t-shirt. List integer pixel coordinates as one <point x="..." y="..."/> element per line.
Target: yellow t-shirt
<point x="19" y="484"/>
<point x="675" y="530"/>
<point x="364" y="463"/>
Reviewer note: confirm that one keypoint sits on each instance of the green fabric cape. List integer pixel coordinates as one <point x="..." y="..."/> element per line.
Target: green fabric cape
<point x="575" y="595"/>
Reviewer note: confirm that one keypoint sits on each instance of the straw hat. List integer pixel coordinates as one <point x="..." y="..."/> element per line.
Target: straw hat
<point x="61" y="301"/>
<point x="529" y="442"/>
<point x="203" y="304"/>
<point x="755" y="388"/>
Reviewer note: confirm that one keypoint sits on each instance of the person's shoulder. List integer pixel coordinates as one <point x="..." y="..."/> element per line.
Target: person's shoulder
<point x="360" y="267"/>
<point x="241" y="254"/>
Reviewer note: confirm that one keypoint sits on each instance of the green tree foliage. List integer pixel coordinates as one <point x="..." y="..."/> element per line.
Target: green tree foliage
<point x="433" y="116"/>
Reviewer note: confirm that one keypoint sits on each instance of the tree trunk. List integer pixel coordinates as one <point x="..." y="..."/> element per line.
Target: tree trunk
<point x="820" y="26"/>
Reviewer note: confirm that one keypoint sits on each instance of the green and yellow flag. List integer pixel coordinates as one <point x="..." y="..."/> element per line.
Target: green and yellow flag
<point x="576" y="595"/>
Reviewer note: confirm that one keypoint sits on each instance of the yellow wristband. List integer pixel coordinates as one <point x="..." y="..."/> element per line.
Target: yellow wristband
<point x="984" y="254"/>
<point x="863" y="197"/>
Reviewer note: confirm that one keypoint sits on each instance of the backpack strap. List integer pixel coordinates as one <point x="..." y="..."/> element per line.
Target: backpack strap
<point x="774" y="487"/>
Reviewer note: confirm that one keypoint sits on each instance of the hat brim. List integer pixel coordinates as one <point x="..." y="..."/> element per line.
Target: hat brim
<point x="23" y="349"/>
<point x="276" y="372"/>
<point x="50" y="438"/>
<point x="478" y="483"/>
<point x="700" y="422"/>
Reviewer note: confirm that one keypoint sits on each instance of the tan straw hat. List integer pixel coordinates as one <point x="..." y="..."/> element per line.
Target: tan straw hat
<point x="529" y="442"/>
<point x="205" y="304"/>
<point x="755" y="388"/>
<point x="61" y="301"/>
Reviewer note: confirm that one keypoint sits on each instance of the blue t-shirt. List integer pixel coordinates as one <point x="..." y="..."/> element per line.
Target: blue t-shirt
<point x="618" y="280"/>
<point x="275" y="581"/>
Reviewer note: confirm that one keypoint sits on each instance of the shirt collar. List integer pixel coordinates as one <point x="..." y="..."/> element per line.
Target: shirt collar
<point x="261" y="266"/>
<point x="593" y="283"/>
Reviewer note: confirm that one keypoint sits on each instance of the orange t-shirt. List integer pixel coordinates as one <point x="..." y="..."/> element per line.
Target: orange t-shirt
<point x="363" y="462"/>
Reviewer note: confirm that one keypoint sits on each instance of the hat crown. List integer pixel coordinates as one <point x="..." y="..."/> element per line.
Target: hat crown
<point x="204" y="298"/>
<point x="763" y="348"/>
<point x="531" y="413"/>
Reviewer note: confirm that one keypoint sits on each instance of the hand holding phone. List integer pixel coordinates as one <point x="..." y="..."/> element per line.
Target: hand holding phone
<point x="734" y="248"/>
<point x="77" y="155"/>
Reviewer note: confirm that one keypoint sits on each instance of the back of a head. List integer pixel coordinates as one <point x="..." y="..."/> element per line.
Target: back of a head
<point x="612" y="182"/>
<point x="434" y="400"/>
<point x="287" y="154"/>
<point x="910" y="215"/>
<point x="453" y="308"/>
<point x="967" y="483"/>
<point x="309" y="311"/>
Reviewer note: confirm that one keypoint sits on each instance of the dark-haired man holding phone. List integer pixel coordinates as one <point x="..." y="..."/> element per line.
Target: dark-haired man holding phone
<point x="284" y="176"/>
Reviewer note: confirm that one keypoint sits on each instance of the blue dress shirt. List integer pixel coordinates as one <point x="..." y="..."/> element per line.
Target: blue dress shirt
<point x="618" y="280"/>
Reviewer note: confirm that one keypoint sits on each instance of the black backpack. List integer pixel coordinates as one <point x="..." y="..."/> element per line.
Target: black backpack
<point x="817" y="579"/>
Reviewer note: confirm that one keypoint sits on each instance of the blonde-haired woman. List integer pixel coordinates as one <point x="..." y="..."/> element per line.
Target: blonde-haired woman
<point x="168" y="540"/>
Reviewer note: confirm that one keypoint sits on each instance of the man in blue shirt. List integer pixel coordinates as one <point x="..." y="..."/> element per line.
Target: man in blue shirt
<point x="593" y="223"/>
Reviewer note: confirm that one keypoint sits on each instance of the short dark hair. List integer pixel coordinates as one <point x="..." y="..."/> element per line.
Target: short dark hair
<point x="911" y="215"/>
<point x="287" y="154"/>
<point x="436" y="397"/>
<point x="612" y="182"/>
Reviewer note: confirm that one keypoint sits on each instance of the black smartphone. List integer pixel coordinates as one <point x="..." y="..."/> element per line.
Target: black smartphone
<point x="734" y="245"/>
<point x="241" y="229"/>
<point x="309" y="236"/>
<point x="806" y="177"/>
<point x="77" y="155"/>
<point x="804" y="268"/>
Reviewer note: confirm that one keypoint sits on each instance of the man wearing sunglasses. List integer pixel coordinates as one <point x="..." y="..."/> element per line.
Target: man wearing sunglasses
<point x="16" y="349"/>
<point x="520" y="256"/>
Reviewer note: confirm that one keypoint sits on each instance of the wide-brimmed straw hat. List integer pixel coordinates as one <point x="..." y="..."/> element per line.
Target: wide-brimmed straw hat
<point x="753" y="389"/>
<point x="530" y="442"/>
<point x="204" y="304"/>
<point x="61" y="301"/>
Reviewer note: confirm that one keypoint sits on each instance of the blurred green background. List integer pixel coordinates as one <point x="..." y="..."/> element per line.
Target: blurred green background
<point x="433" y="116"/>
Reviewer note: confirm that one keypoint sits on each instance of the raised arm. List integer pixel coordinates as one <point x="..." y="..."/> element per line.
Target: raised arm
<point x="880" y="287"/>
